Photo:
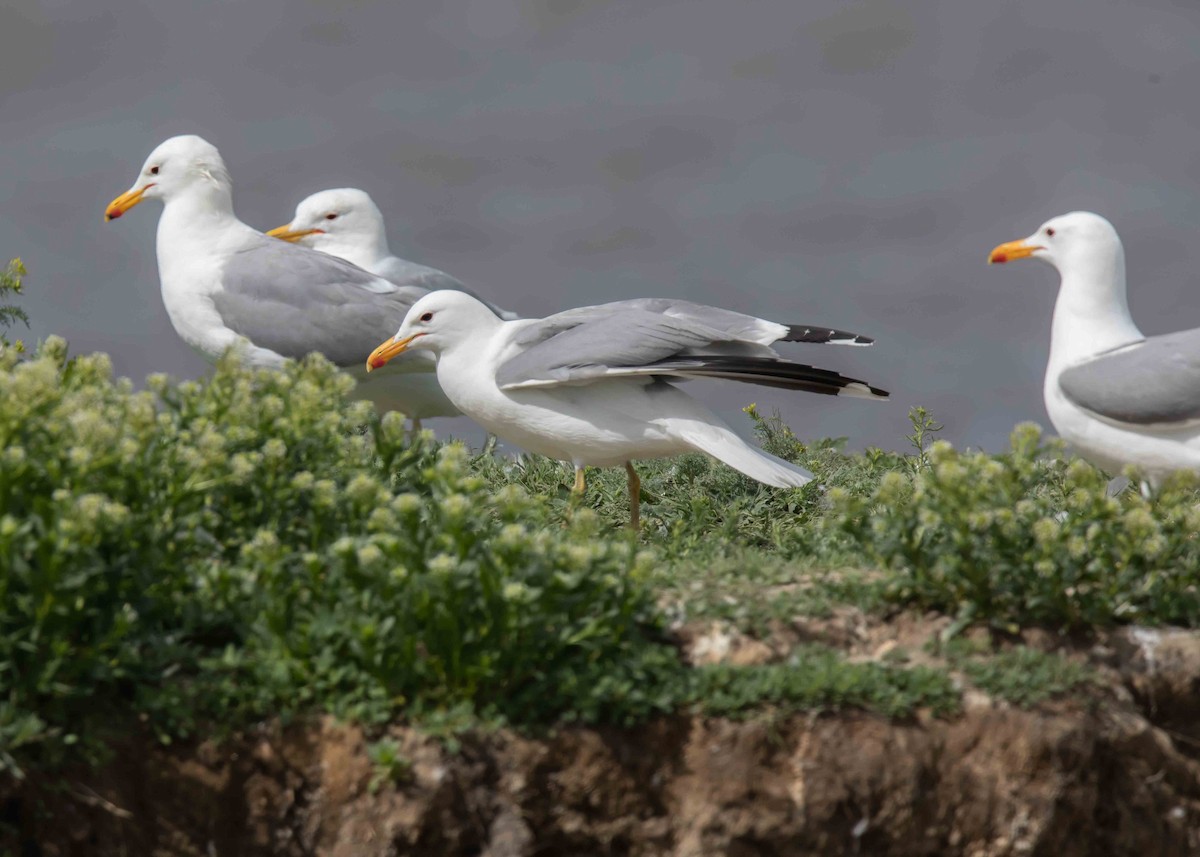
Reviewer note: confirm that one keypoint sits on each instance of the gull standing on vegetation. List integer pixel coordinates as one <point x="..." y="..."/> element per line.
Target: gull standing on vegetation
<point x="346" y="222"/>
<point x="1118" y="396"/>
<point x="226" y="284"/>
<point x="593" y="385"/>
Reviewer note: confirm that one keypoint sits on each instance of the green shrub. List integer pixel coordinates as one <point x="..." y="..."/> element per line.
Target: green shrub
<point x="389" y="764"/>
<point x="1021" y="675"/>
<point x="695" y="508"/>
<point x="815" y="677"/>
<point x="11" y="284"/>
<point x="199" y="554"/>
<point x="1029" y="538"/>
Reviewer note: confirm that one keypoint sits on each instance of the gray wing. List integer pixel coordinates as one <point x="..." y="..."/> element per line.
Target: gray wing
<point x="1154" y="381"/>
<point x="628" y="342"/>
<point x="580" y="346"/>
<point x="294" y="301"/>
<point x="719" y="323"/>
<point x="405" y="273"/>
<point x="735" y="324"/>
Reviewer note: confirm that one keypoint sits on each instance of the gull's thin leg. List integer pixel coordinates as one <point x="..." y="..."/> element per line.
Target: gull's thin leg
<point x="489" y="444"/>
<point x="635" y="497"/>
<point x="414" y="428"/>
<point x="576" y="494"/>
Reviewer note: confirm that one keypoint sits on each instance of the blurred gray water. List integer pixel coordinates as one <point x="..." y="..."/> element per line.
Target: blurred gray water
<point x="848" y="163"/>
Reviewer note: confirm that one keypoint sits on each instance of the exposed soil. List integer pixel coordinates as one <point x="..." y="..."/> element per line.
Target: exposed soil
<point x="1114" y="774"/>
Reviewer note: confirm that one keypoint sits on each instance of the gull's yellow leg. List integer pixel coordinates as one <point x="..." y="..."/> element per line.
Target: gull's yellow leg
<point x="576" y="493"/>
<point x="635" y="497"/>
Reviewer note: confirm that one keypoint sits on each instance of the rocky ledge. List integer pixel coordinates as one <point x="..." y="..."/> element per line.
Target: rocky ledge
<point x="1115" y="771"/>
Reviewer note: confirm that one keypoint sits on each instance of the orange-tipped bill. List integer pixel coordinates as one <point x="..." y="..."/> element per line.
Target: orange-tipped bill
<point x="124" y="202"/>
<point x="286" y="233"/>
<point x="389" y="351"/>
<point x="1012" y="250"/>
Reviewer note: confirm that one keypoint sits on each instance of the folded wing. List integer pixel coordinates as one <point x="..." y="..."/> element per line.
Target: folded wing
<point x="295" y="301"/>
<point x="735" y="324"/>
<point x="620" y="341"/>
<point x="1155" y="381"/>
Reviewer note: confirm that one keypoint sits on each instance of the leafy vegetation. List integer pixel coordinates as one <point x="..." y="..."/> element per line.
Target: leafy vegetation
<point x="388" y="762"/>
<point x="1021" y="675"/>
<point x="197" y="556"/>
<point x="1029" y="538"/>
<point x="11" y="284"/>
<point x="815" y="677"/>
<point x="205" y="553"/>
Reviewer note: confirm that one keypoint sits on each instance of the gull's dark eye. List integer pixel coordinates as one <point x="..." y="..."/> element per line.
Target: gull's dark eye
<point x="427" y="317"/>
<point x="331" y="216"/>
<point x="154" y="171"/>
<point x="1049" y="231"/>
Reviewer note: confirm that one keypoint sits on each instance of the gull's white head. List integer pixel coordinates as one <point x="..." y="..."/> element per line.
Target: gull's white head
<point x="344" y="221"/>
<point x="438" y="321"/>
<point x="1080" y="240"/>
<point x="179" y="166"/>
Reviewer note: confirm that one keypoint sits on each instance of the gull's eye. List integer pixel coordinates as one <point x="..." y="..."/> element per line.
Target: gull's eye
<point x="1049" y="231"/>
<point x="154" y="171"/>
<point x="427" y="317"/>
<point x="331" y="215"/>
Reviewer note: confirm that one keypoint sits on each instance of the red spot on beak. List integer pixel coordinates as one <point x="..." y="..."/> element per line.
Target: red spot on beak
<point x="113" y="213"/>
<point x="378" y="363"/>
<point x="999" y="259"/>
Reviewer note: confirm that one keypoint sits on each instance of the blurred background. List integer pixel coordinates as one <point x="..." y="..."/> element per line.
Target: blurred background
<point x="845" y="163"/>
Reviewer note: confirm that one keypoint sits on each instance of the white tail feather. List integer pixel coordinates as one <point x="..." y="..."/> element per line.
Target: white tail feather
<point x="722" y="444"/>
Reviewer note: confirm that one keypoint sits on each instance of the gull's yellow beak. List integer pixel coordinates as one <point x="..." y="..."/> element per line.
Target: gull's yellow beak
<point x="286" y="233"/>
<point x="1012" y="250"/>
<point x="389" y="351"/>
<point x="124" y="202"/>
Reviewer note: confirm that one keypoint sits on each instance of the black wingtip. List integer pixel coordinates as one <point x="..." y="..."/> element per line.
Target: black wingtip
<point x="816" y="334"/>
<point x="768" y="372"/>
<point x="863" y="390"/>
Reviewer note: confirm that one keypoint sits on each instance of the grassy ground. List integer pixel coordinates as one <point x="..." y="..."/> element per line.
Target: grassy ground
<point x="201" y="555"/>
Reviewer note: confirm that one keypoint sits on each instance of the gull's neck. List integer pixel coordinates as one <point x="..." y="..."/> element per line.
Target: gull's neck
<point x="365" y="250"/>
<point x="1091" y="314"/>
<point x="198" y="219"/>
<point x="468" y="355"/>
<point x="197" y="234"/>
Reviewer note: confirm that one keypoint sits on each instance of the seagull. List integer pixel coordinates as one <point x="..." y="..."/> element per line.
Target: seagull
<point x="226" y="284"/>
<point x="1119" y="397"/>
<point x="346" y="222"/>
<point x="595" y="386"/>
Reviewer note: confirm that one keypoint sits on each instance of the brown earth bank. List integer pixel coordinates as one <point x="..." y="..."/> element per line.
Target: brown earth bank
<point x="1113" y="774"/>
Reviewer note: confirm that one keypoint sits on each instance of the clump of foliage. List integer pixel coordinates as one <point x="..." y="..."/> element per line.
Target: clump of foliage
<point x="388" y="762"/>
<point x="924" y="428"/>
<point x="197" y="556"/>
<point x="695" y="508"/>
<point x="754" y="591"/>
<point x="204" y="553"/>
<point x="1021" y="675"/>
<point x="11" y="284"/>
<point x="815" y="677"/>
<point x="1028" y="538"/>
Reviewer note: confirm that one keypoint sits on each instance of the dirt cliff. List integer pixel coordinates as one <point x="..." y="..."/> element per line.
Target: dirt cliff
<point x="1110" y="773"/>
